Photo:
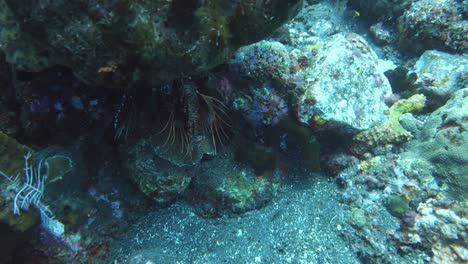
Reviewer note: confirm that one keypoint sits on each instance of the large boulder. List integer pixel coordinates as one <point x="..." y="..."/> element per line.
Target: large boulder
<point x="116" y="42"/>
<point x="344" y="86"/>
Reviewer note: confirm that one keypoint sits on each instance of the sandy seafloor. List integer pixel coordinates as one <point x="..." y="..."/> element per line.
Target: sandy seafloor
<point x="306" y="223"/>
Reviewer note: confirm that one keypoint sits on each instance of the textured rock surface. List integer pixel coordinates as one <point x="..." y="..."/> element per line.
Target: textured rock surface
<point x="154" y="176"/>
<point x="262" y="61"/>
<point x="429" y="24"/>
<point x="312" y="26"/>
<point x="390" y="132"/>
<point x="440" y="74"/>
<point x="344" y="86"/>
<point x="383" y="34"/>
<point x="444" y="143"/>
<point x="120" y="41"/>
<point x="441" y="228"/>
<point x="11" y="159"/>
<point x="223" y="185"/>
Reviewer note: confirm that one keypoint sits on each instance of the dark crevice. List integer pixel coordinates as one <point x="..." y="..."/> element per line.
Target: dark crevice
<point x="181" y="14"/>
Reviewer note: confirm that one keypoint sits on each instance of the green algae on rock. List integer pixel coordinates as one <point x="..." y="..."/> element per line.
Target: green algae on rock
<point x="397" y="205"/>
<point x="12" y="164"/>
<point x="358" y="218"/>
<point x="11" y="159"/>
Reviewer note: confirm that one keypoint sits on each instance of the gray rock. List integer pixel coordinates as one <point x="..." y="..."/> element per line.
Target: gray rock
<point x="344" y="86"/>
<point x="440" y="74"/>
<point x="430" y="24"/>
<point x="383" y="34"/>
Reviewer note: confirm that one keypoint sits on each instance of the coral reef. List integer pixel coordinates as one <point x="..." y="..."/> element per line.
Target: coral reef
<point x="49" y="104"/>
<point x="43" y="178"/>
<point x="443" y="143"/>
<point x="63" y="192"/>
<point x="441" y="228"/>
<point x="431" y="227"/>
<point x="48" y="180"/>
<point x="312" y="27"/>
<point x="383" y="34"/>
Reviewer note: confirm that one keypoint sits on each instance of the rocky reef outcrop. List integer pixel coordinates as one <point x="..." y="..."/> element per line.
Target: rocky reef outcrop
<point x="122" y="41"/>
